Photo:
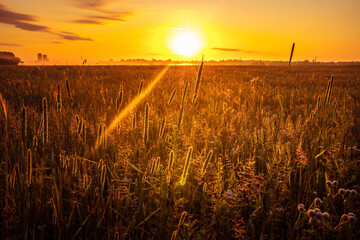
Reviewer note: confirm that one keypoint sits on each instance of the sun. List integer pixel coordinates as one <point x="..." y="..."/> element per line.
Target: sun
<point x="186" y="43"/>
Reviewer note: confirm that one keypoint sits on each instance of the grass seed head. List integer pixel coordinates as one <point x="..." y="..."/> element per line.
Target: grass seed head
<point x="146" y="124"/>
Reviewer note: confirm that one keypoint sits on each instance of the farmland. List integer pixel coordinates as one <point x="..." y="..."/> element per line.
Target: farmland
<point x="234" y="161"/>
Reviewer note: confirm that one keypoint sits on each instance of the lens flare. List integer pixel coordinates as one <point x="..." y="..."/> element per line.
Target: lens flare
<point x="133" y="103"/>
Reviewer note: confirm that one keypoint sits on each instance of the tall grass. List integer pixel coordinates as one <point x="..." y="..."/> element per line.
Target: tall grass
<point x="247" y="161"/>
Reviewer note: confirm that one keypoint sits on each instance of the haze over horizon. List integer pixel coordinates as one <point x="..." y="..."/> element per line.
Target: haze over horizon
<point x="71" y="30"/>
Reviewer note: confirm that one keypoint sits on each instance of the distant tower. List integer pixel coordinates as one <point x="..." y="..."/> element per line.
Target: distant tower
<point x="45" y="59"/>
<point x="40" y="57"/>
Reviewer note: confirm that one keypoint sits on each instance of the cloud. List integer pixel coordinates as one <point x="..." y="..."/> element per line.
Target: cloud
<point x="115" y="17"/>
<point x="11" y="44"/>
<point x="233" y="50"/>
<point x="26" y="22"/>
<point x="98" y="6"/>
<point x="86" y="21"/>
<point x="91" y="3"/>
<point x="71" y="36"/>
<point x="56" y="42"/>
<point x="19" y="20"/>
<point x="96" y="19"/>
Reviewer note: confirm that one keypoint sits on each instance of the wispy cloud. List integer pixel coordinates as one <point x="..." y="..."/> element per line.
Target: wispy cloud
<point x="115" y="17"/>
<point x="20" y="20"/>
<point x="11" y="44"/>
<point x="29" y="23"/>
<point x="86" y="21"/>
<point x="103" y="14"/>
<point x="91" y="3"/>
<point x="94" y="19"/>
<point x="71" y="36"/>
<point x="233" y="50"/>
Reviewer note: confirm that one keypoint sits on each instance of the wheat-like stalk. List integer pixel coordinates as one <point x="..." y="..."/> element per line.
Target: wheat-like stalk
<point x="172" y="96"/>
<point x="140" y="87"/>
<point x="24" y="123"/>
<point x="184" y="93"/>
<point x="104" y="132"/>
<point x="198" y="80"/>
<point x="146" y="124"/>
<point x="155" y="166"/>
<point x="162" y="127"/>
<point x="328" y="90"/>
<point x="171" y="160"/>
<point x="83" y="135"/>
<point x="119" y="99"/>
<point x="45" y="121"/>
<point x="99" y="135"/>
<point x="207" y="160"/>
<point x="68" y="88"/>
<point x="80" y="126"/>
<point x="186" y="167"/>
<point x="134" y="122"/>
<point x="204" y="189"/>
<point x="29" y="166"/>
<point x="182" y="105"/>
<point x="58" y="99"/>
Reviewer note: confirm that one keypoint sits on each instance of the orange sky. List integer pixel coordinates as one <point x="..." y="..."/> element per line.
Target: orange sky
<point x="69" y="30"/>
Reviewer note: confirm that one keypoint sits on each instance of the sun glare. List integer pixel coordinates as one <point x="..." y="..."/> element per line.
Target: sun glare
<point x="185" y="43"/>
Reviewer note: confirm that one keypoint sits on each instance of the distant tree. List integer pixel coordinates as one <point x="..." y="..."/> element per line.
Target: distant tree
<point x="8" y="58"/>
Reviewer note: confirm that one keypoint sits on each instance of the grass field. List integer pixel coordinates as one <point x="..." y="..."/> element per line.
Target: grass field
<point x="234" y="162"/>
